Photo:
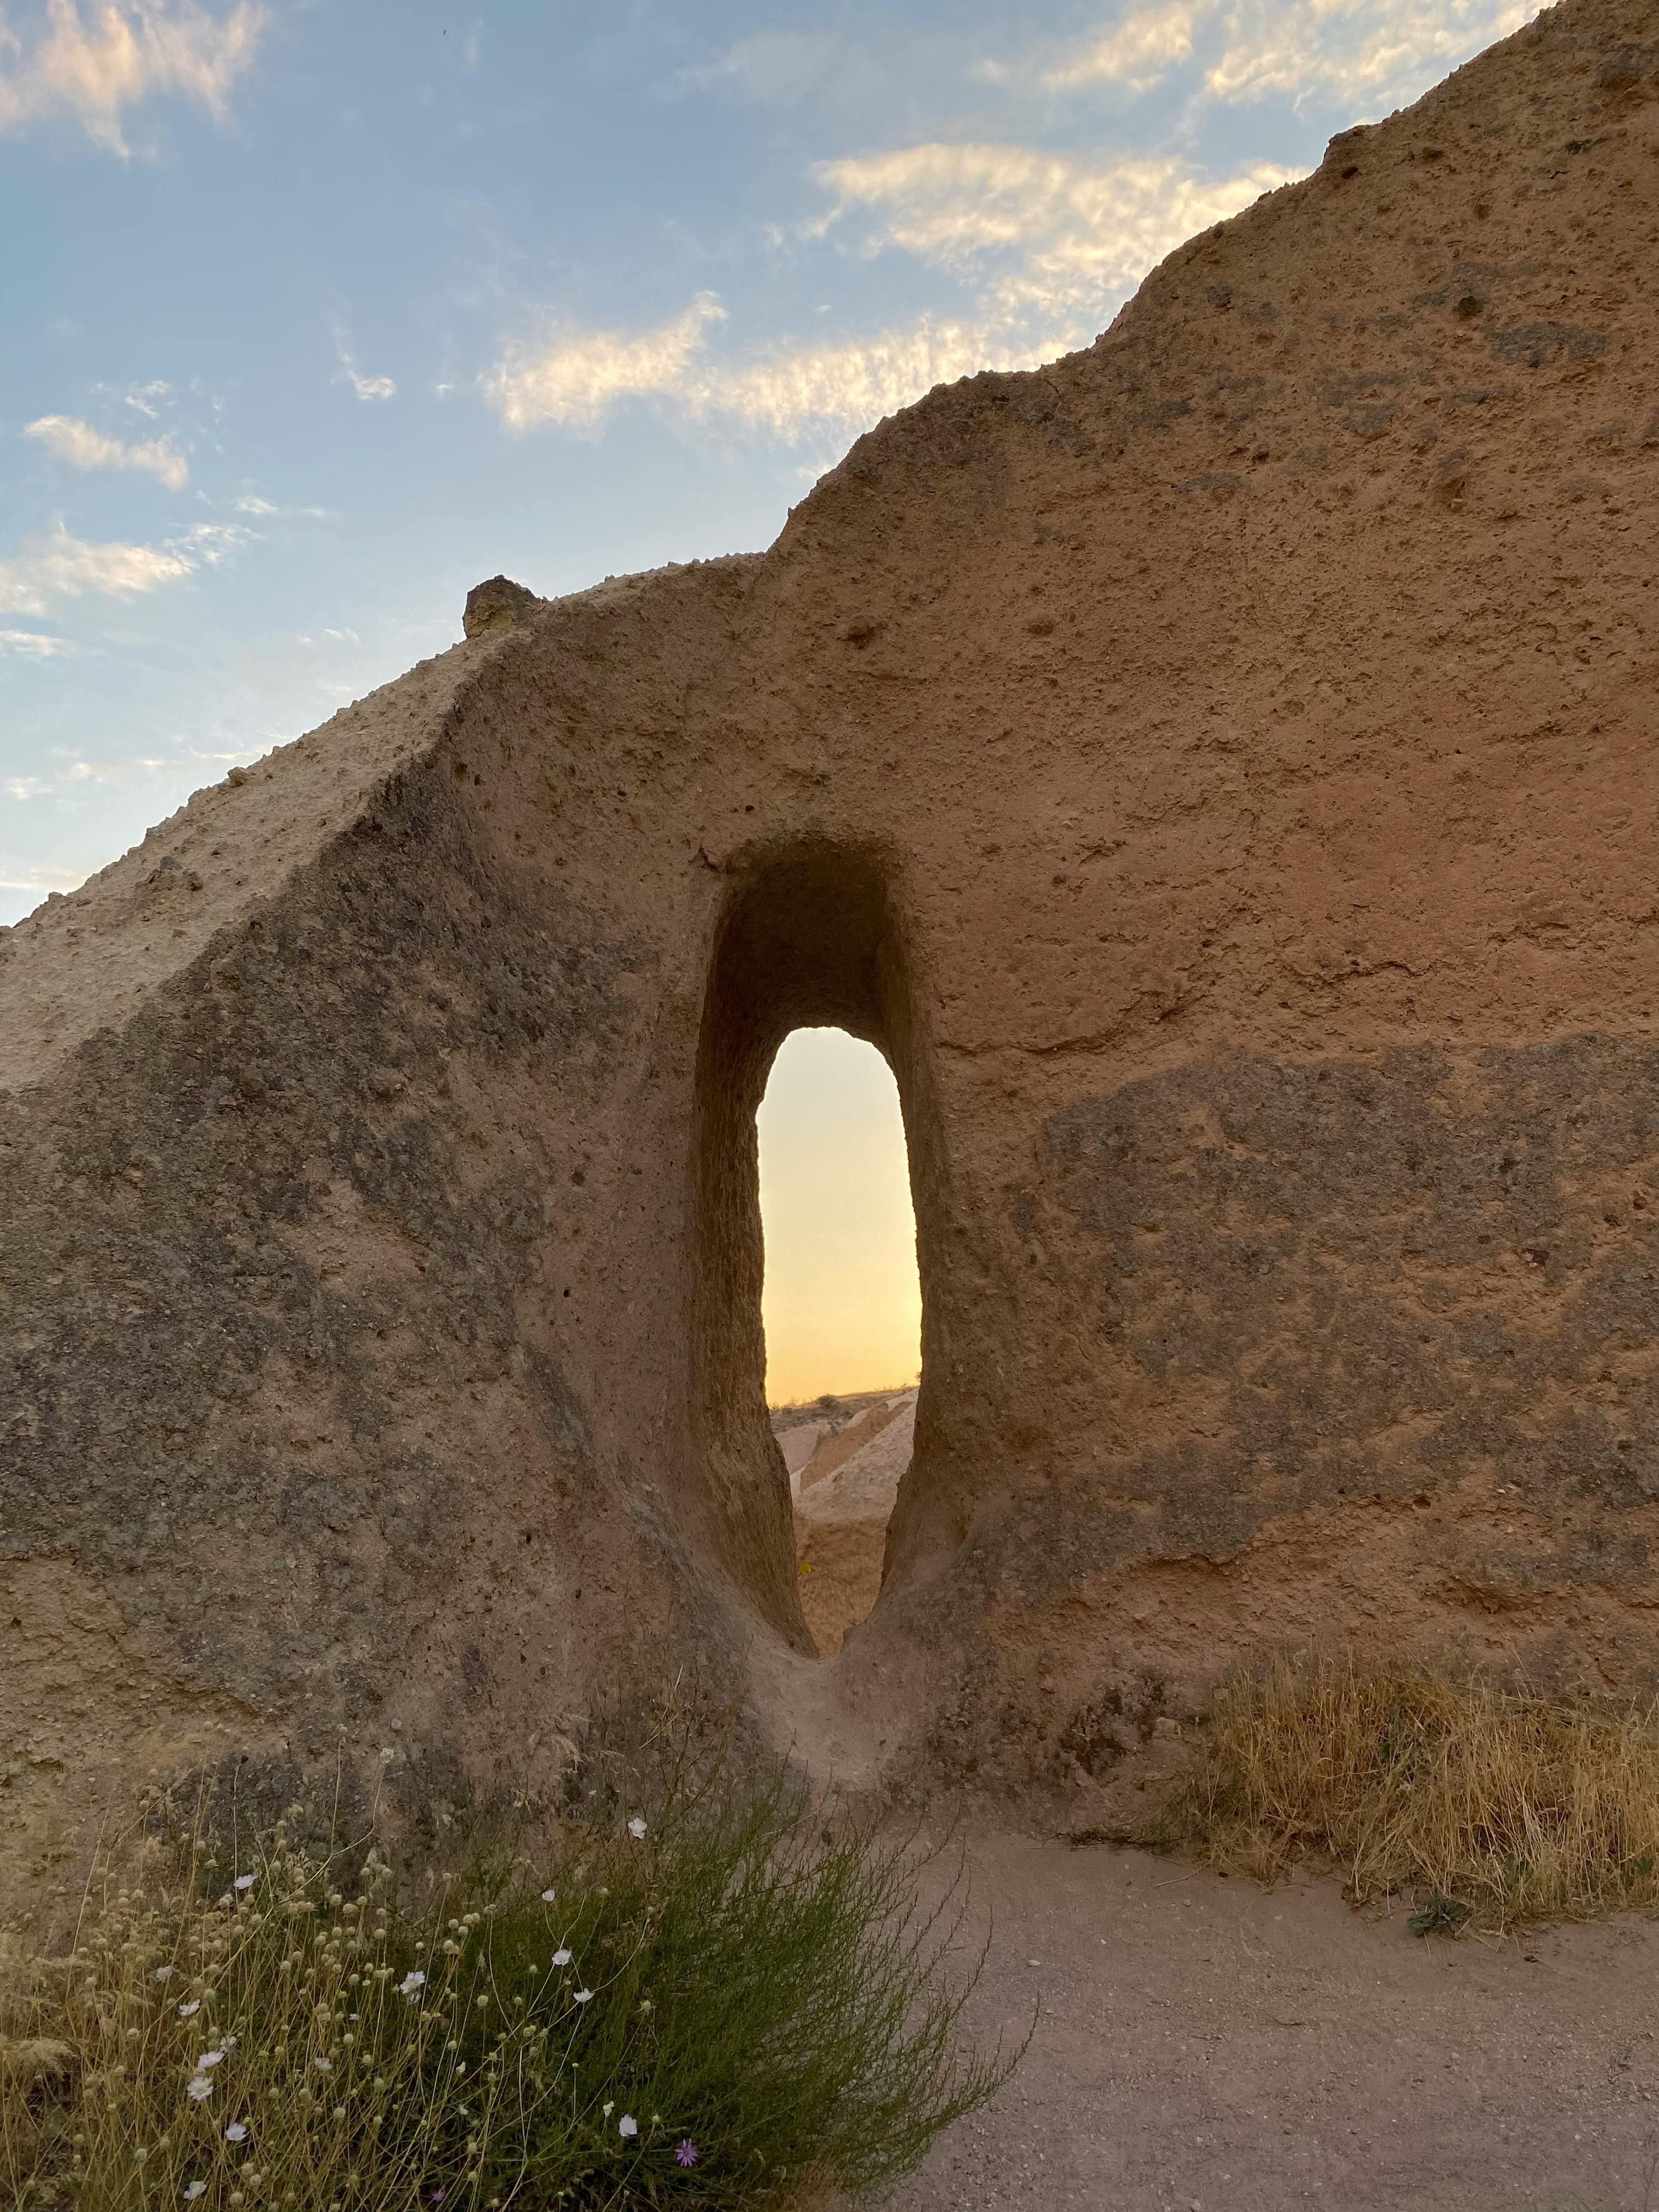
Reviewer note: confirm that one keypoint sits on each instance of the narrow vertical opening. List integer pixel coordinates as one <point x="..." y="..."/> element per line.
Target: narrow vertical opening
<point x="842" y="1312"/>
<point x="808" y="941"/>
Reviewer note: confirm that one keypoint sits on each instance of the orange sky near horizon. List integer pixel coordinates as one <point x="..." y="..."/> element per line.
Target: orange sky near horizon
<point x="843" y="1303"/>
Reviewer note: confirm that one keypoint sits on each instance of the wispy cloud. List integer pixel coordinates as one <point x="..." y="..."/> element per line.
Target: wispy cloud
<point x="93" y="71"/>
<point x="1131" y="55"/>
<point x="574" y="377"/>
<point x="796" y="394"/>
<point x="1350" y="53"/>
<point x="142" y="397"/>
<point x="366" y="388"/>
<point x="1043" y="245"/>
<point x="266" y="510"/>
<point x="1339" y="53"/>
<point x="76" y="442"/>
<point x="1035" y="232"/>
<point x="78" y="773"/>
<point x="57" y="566"/>
<point x="30" y="645"/>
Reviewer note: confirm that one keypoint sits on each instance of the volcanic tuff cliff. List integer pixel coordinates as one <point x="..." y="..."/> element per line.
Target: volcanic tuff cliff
<point x="1218" y="769"/>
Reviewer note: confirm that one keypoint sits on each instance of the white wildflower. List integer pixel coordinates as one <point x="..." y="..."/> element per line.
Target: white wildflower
<point x="193" y="2189"/>
<point x="164" y="1974"/>
<point x="185" y="2012"/>
<point x="583" y="1996"/>
<point x="201" y="2087"/>
<point x="562" y="1958"/>
<point x="627" y="2125"/>
<point x="207" y="2058"/>
<point x="243" y="1881"/>
<point x="411" y="1982"/>
<point x="636" y="1829"/>
<point x="237" y="2131"/>
<point x="548" y="1896"/>
<point x="325" y="2065"/>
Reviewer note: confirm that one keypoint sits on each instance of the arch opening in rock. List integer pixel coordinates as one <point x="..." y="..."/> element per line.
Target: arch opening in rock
<point x="810" y="940"/>
<point x="842" y="1309"/>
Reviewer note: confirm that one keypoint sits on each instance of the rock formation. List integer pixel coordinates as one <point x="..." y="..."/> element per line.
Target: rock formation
<point x="842" y="1519"/>
<point x="1217" y="769"/>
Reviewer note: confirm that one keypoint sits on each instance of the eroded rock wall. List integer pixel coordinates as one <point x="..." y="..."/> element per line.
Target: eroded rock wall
<point x="1218" y="768"/>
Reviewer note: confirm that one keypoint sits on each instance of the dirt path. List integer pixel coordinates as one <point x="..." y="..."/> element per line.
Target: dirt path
<point x="1205" y="2047"/>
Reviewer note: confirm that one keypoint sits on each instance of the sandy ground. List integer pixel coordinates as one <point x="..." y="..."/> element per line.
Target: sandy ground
<point x="1204" y="2046"/>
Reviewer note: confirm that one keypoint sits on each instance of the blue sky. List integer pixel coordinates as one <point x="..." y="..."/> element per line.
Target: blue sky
<point x="320" y="310"/>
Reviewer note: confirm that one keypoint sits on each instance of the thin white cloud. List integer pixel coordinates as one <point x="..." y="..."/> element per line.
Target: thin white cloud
<point x="836" y="389"/>
<point x="57" y="566"/>
<point x="211" y="543"/>
<point x="831" y="390"/>
<point x="574" y="377"/>
<point x="1350" y="52"/>
<point x="366" y="388"/>
<point x="1131" y="55"/>
<point x="76" y="442"/>
<point x="30" y="645"/>
<point x="1044" y="246"/>
<point x="139" y="395"/>
<point x="1040" y="233"/>
<point x="265" y="510"/>
<point x="78" y="772"/>
<point x="1342" y="53"/>
<point x="93" y="72"/>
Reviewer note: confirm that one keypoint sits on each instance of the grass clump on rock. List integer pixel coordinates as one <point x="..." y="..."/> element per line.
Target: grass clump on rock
<point x="716" y="2002"/>
<point x="1490" y="1810"/>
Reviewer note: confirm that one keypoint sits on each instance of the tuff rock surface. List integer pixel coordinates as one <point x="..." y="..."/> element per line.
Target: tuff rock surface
<point x="1218" y="769"/>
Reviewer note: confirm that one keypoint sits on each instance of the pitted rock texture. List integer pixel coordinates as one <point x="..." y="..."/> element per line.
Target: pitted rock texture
<point x="1218" y="769"/>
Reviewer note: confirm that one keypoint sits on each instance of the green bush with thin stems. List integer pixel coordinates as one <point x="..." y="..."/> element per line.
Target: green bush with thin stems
<point x="723" y="2000"/>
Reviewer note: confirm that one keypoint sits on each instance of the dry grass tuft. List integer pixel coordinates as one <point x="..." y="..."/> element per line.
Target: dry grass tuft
<point x="1489" y="1810"/>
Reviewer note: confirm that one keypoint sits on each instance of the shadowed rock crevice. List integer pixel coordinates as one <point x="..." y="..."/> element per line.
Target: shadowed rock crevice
<point x="810" y="940"/>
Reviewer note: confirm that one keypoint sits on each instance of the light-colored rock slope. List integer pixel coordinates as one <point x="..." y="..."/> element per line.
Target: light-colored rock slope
<point x="840" y="1529"/>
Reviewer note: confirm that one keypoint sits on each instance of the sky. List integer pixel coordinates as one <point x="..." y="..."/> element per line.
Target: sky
<point x="841" y="1306"/>
<point x="319" y="312"/>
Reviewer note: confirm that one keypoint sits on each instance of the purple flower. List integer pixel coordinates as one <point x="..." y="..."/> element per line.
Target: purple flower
<point x="687" y="2152"/>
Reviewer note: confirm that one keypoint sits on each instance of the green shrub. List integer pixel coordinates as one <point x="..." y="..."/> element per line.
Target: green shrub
<point x="716" y="2002"/>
